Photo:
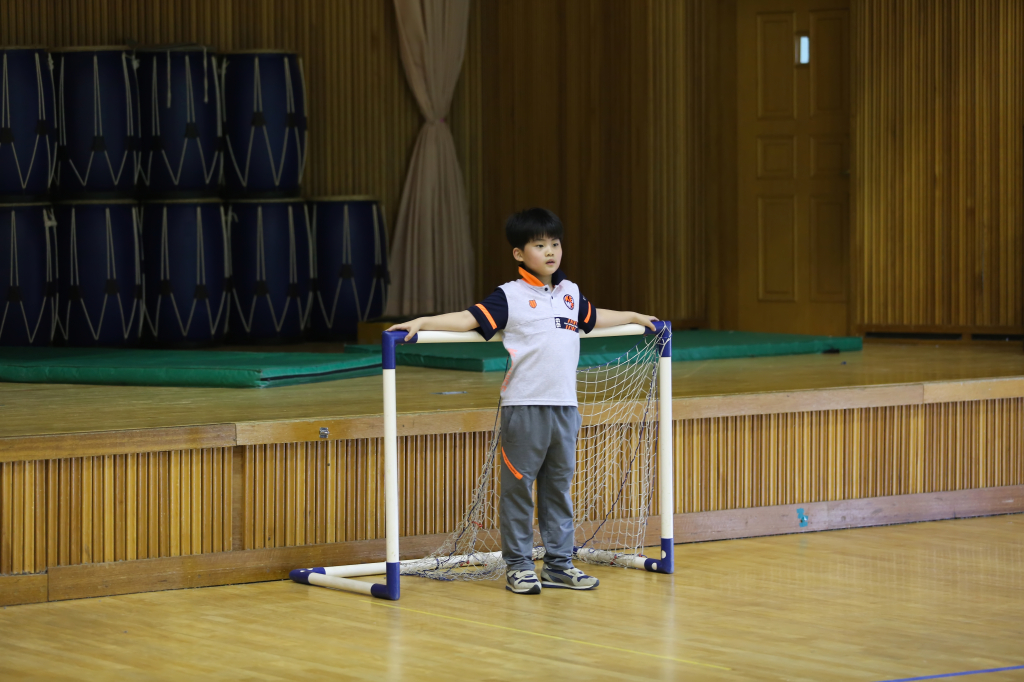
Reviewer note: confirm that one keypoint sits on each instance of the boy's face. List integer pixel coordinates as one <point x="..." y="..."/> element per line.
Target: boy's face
<point x="541" y="256"/>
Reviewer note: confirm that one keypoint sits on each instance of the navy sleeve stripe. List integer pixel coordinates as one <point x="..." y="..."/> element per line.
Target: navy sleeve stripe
<point x="588" y="315"/>
<point x="491" y="313"/>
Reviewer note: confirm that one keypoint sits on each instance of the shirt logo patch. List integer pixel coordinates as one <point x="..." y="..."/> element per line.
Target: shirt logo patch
<point x="566" y="324"/>
<point x="569" y="303"/>
<point x="533" y="304"/>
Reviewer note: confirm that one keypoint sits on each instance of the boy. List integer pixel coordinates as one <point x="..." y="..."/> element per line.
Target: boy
<point x="542" y="315"/>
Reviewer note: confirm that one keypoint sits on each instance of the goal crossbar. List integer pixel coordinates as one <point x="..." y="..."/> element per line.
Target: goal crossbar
<point x="341" y="577"/>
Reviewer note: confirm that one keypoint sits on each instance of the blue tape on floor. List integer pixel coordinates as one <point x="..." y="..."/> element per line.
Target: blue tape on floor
<point x="967" y="672"/>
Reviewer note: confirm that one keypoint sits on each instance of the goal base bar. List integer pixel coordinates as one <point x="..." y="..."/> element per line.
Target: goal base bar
<point x="341" y="577"/>
<point x="342" y="580"/>
<point x="638" y="561"/>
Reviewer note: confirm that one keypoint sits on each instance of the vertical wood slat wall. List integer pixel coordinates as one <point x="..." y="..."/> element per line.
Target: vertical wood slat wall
<point x="675" y="272"/>
<point x="799" y="458"/>
<point x="80" y="510"/>
<point x="363" y="120"/>
<point x="117" y="508"/>
<point x="333" y="491"/>
<point x="595" y="109"/>
<point x="938" y="157"/>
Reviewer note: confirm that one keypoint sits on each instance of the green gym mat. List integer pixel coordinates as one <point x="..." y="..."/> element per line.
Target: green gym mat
<point x="700" y="344"/>
<point x="211" y="369"/>
<point x="231" y="369"/>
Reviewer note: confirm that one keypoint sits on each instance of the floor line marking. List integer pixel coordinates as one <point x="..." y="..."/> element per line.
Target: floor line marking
<point x="541" y="634"/>
<point x="966" y="672"/>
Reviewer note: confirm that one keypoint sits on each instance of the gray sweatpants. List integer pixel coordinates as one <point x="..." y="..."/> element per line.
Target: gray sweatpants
<point x="538" y="443"/>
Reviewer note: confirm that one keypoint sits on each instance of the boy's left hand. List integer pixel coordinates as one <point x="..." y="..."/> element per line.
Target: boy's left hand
<point x="646" y="320"/>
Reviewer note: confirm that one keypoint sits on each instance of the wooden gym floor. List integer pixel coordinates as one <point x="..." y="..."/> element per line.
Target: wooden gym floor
<point x="862" y="605"/>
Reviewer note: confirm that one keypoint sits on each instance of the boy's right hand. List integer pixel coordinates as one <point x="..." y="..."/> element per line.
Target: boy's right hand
<point x="412" y="326"/>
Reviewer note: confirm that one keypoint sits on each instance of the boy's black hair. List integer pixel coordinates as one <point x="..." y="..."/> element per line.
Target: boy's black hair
<point x="533" y="223"/>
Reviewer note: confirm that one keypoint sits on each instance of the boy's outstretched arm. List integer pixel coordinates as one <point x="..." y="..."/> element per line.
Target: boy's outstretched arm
<point x="461" y="321"/>
<point x="613" y="318"/>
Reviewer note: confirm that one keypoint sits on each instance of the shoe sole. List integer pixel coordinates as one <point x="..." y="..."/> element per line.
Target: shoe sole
<point x="533" y="590"/>
<point x="562" y="586"/>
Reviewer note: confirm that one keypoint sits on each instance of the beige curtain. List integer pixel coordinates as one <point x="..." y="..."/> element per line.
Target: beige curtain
<point x="432" y="259"/>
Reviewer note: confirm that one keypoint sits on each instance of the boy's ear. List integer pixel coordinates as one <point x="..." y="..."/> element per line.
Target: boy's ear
<point x="517" y="253"/>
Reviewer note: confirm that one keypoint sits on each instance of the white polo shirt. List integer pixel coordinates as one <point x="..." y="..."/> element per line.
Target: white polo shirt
<point x="542" y="327"/>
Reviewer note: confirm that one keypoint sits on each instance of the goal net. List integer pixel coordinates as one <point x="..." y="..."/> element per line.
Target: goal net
<point x="613" y="486"/>
<point x="623" y="475"/>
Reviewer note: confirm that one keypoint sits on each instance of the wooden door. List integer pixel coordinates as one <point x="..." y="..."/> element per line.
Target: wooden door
<point x="793" y="162"/>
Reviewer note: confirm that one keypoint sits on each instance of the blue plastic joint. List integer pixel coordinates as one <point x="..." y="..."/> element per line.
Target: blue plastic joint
<point x="666" y="338"/>
<point x="388" y="341"/>
<point x="664" y="564"/>
<point x="301" y="575"/>
<point x="390" y="590"/>
<point x="668" y="552"/>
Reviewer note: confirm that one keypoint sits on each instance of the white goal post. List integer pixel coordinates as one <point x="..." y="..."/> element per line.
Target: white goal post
<point x="341" y="577"/>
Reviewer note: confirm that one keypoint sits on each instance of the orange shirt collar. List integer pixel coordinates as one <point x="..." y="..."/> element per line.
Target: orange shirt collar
<point x="530" y="278"/>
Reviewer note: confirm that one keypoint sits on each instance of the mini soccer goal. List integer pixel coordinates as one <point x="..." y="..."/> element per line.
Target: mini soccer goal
<point x="623" y="472"/>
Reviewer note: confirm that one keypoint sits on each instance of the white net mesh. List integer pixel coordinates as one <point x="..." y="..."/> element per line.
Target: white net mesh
<point x="613" y="488"/>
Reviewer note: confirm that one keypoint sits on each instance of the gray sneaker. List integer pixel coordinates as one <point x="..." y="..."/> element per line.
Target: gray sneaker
<point x="522" y="582"/>
<point x="571" y="579"/>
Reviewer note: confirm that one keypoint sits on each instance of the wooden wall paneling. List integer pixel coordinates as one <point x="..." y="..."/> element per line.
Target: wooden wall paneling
<point x="250" y="477"/>
<point x="274" y="513"/>
<point x="20" y="513"/>
<point x="438" y="475"/>
<point x="53" y="514"/>
<point x="71" y="489"/>
<point x="101" y="509"/>
<point x="160" y="509"/>
<point x="105" y="510"/>
<point x="675" y="270"/>
<point x="329" y="494"/>
<point x="117" y="523"/>
<point x="300" y="462"/>
<point x="722" y="98"/>
<point x="7" y="544"/>
<point x="23" y="589"/>
<point x="582" y="148"/>
<point x="131" y="507"/>
<point x="766" y="460"/>
<point x="938" y="115"/>
<point x="234" y="511"/>
<point x="272" y="530"/>
<point x="177" y="514"/>
<point x="145" y="507"/>
<point x="67" y="512"/>
<point x="84" y="531"/>
<point x="352" y="474"/>
<point x="324" y="510"/>
<point x="589" y="111"/>
<point x="202" y="510"/>
<point x="722" y="463"/>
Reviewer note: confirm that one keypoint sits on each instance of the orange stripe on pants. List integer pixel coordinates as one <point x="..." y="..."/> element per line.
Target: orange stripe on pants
<point x="509" y="465"/>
